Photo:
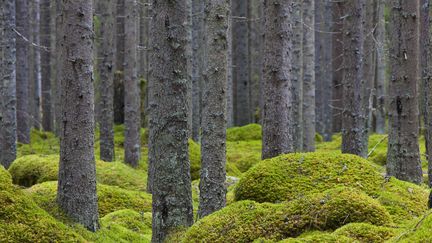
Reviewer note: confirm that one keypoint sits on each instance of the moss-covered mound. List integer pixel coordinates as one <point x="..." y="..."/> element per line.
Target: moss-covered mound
<point x="246" y="221"/>
<point x="45" y="143"/>
<point x="110" y="199"/>
<point x="244" y="154"/>
<point x="33" y="169"/>
<point x="319" y="237"/>
<point x="289" y="176"/>
<point x="364" y="232"/>
<point x="21" y="220"/>
<point x="245" y="133"/>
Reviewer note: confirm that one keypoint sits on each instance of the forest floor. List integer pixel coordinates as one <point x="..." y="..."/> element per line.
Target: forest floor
<point x="313" y="197"/>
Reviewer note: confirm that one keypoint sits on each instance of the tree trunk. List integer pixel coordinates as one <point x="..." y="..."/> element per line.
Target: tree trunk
<point x="8" y="120"/>
<point x="308" y="77"/>
<point x="169" y="166"/>
<point x="55" y="67"/>
<point x="403" y="156"/>
<point x="213" y="147"/>
<point x="35" y="66"/>
<point x="143" y="70"/>
<point x="354" y="115"/>
<point x="338" y="66"/>
<point x="197" y="65"/>
<point x="277" y="136"/>
<point x="369" y="65"/>
<point x="230" y="86"/>
<point x="119" y="63"/>
<point x="77" y="173"/>
<point x="132" y="142"/>
<point x="380" y="34"/>
<point x="106" y="85"/>
<point x="241" y="79"/>
<point x="22" y="71"/>
<point x="45" y="36"/>
<point x="296" y="75"/>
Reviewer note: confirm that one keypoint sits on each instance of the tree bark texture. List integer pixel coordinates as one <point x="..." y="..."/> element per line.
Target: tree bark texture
<point x="119" y="63"/>
<point x="380" y="80"/>
<point x="77" y="173"/>
<point x="403" y="156"/>
<point x="45" y="38"/>
<point x="35" y="66"/>
<point x="230" y="86"/>
<point x="338" y="66"/>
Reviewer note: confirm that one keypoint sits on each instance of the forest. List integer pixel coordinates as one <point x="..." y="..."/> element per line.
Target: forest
<point x="261" y="121"/>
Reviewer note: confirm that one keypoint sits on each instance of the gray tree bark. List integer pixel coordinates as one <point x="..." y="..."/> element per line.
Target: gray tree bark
<point x="55" y="61"/>
<point x="45" y="38"/>
<point x="380" y="36"/>
<point x="8" y="120"/>
<point x="35" y="66"/>
<point x="106" y="85"/>
<point x="403" y="156"/>
<point x="338" y="66"/>
<point x="230" y="87"/>
<point x="22" y="71"/>
<point x="169" y="166"/>
<point x="119" y="63"/>
<point x="77" y="173"/>
<point x="240" y="59"/>
<point x="132" y="113"/>
<point x="354" y="115"/>
<point x="369" y="64"/>
<point x="143" y="67"/>
<point x="213" y="146"/>
<point x="277" y="136"/>
<point x="197" y="65"/>
<point x="296" y="75"/>
<point x="308" y="77"/>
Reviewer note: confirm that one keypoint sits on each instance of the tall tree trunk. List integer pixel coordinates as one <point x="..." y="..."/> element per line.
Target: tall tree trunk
<point x="106" y="85"/>
<point x="8" y="120"/>
<point x="403" y="156"/>
<point x="55" y="67"/>
<point x="308" y="77"/>
<point x="296" y="75"/>
<point x="45" y="36"/>
<point x="132" y="142"/>
<point x="380" y="34"/>
<point x="119" y="63"/>
<point x="197" y="65"/>
<point x="338" y="66"/>
<point x="213" y="148"/>
<point x="77" y="173"/>
<point x="369" y="64"/>
<point x="354" y="115"/>
<point x="277" y="136"/>
<point x="144" y="33"/>
<point x="241" y="79"/>
<point x="230" y="86"/>
<point x="22" y="71"/>
<point x="35" y="66"/>
<point x="169" y="166"/>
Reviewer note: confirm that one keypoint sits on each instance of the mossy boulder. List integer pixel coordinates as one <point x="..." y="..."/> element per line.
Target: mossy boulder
<point x="110" y="199"/>
<point x="364" y="232"/>
<point x="21" y="220"/>
<point x="290" y="176"/>
<point x="33" y="169"/>
<point x="246" y="221"/>
<point x="244" y="133"/>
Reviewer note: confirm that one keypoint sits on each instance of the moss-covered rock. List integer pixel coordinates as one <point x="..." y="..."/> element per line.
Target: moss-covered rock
<point x="419" y="231"/>
<point x="5" y="179"/>
<point x="33" y="169"/>
<point x="245" y="133"/>
<point x="289" y="176"/>
<point x="246" y="221"/>
<point x="110" y="199"/>
<point x="364" y="232"/>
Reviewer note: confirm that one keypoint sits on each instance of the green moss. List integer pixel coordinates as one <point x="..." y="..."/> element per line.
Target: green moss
<point x="195" y="159"/>
<point x="364" y="232"/>
<point x="245" y="133"/>
<point x="290" y="176"/>
<point x="319" y="138"/>
<point x="245" y="163"/>
<point x="5" y="179"/>
<point x="419" y="231"/>
<point x="319" y="237"/>
<point x="244" y="154"/>
<point x="43" y="143"/>
<point x="110" y="199"/>
<point x="33" y="169"/>
<point x="378" y="143"/>
<point x="403" y="200"/>
<point x="246" y="221"/>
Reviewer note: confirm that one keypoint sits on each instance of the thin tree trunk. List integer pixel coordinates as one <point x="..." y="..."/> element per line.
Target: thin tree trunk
<point x="77" y="173"/>
<point x="354" y="115"/>
<point x="119" y="63"/>
<point x="308" y="77"/>
<point x="230" y="88"/>
<point x="106" y="86"/>
<point x="8" y="121"/>
<point x="403" y="156"/>
<point x="338" y="66"/>
<point x="132" y="142"/>
<point x="35" y="66"/>
<point x="169" y="166"/>
<point x="277" y="136"/>
<point x="380" y="113"/>
<point x="22" y="71"/>
<point x="143" y="57"/>
<point x="45" y="35"/>
<point x="369" y="65"/>
<point x="213" y="148"/>
<point x="56" y="70"/>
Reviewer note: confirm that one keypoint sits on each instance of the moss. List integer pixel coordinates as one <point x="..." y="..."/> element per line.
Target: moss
<point x="246" y="221"/>
<point x="319" y="138"/>
<point x="319" y="237"/>
<point x="245" y="163"/>
<point x="5" y="179"/>
<point x="33" y="169"/>
<point x="110" y="199"/>
<point x="290" y="176"/>
<point x="364" y="232"/>
<point x="245" y="133"/>
<point x="195" y="159"/>
<point x="44" y="143"/>
<point x="419" y="231"/>
<point x="403" y="200"/>
<point x="244" y="154"/>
